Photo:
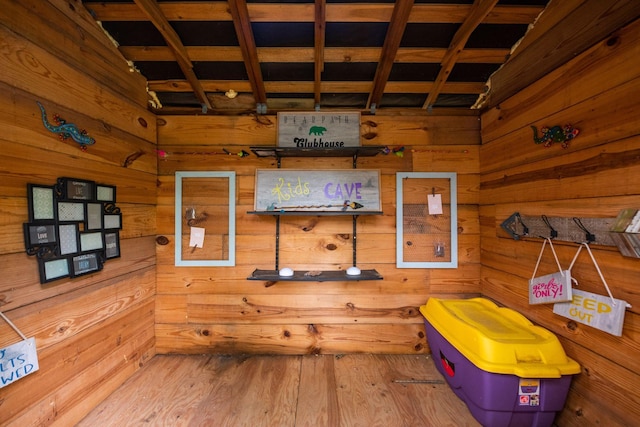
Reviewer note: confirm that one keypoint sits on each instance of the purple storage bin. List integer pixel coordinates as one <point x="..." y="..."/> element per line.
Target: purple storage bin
<point x="509" y="372"/>
<point x="493" y="399"/>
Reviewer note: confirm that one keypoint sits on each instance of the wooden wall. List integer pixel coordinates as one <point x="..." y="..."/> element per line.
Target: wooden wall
<point x="597" y="176"/>
<point x="215" y="309"/>
<point x="92" y="332"/>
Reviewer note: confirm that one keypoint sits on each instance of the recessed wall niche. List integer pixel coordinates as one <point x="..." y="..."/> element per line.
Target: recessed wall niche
<point x="73" y="229"/>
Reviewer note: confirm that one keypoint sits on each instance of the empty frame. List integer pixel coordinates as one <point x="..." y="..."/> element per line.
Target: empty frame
<point x="205" y="219"/>
<point x="426" y="220"/>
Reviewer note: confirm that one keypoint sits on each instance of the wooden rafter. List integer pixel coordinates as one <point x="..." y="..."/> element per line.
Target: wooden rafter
<point x="307" y="54"/>
<point x="307" y="86"/>
<point x="549" y="44"/>
<point x="157" y="18"/>
<point x="319" y="39"/>
<point x="397" y="24"/>
<point x="477" y="14"/>
<point x="298" y="12"/>
<point x="242" y="24"/>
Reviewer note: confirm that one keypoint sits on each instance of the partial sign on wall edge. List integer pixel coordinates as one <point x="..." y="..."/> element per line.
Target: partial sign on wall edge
<point x="17" y="361"/>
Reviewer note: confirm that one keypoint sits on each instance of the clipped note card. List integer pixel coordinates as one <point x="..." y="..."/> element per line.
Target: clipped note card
<point x="434" y="202"/>
<point x="197" y="237"/>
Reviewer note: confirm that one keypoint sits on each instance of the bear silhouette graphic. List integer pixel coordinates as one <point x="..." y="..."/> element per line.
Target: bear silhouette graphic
<point x="317" y="130"/>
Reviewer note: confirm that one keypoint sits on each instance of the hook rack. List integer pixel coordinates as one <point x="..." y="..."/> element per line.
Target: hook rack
<point x="565" y="229"/>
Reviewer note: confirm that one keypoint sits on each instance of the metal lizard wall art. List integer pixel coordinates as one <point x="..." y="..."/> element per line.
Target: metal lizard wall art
<point x="66" y="130"/>
<point x="559" y="134"/>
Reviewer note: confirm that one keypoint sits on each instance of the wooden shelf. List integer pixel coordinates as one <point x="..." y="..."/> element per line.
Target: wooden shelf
<point x="319" y="276"/>
<point x="319" y="213"/>
<point x="362" y="151"/>
<point x="304" y="276"/>
<point x="354" y="152"/>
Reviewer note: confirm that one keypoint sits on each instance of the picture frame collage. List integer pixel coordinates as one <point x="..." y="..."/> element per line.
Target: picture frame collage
<point x="73" y="229"/>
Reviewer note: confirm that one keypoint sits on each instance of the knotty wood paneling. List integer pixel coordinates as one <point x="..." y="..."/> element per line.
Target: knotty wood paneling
<point x="276" y="390"/>
<point x="596" y="176"/>
<point x="92" y="332"/>
<point x="51" y="28"/>
<point x="218" y="310"/>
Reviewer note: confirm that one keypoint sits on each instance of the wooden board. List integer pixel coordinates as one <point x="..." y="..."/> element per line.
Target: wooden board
<point x="295" y="391"/>
<point x="319" y="130"/>
<point x="341" y="191"/>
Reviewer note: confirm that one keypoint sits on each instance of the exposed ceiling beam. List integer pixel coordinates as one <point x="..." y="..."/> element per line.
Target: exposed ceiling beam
<point x="319" y="38"/>
<point x="397" y="24"/>
<point x="477" y="14"/>
<point x="307" y="86"/>
<point x="157" y="18"/>
<point x="307" y="54"/>
<point x="336" y="12"/>
<point x="242" y="24"/>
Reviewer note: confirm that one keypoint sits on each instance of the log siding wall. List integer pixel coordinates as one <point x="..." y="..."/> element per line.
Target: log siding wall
<point x="215" y="309"/>
<point x="597" y="176"/>
<point x="94" y="331"/>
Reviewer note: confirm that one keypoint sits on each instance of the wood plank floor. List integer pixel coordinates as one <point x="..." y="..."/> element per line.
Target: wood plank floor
<point x="284" y="391"/>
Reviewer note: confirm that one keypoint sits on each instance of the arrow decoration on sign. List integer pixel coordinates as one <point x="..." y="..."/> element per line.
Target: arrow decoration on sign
<point x="345" y="206"/>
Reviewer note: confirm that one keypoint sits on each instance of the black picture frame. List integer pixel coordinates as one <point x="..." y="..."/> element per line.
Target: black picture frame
<point x="112" y="221"/>
<point x="71" y="211"/>
<point x="40" y="234"/>
<point x="69" y="239"/>
<point x="105" y="193"/>
<point x="41" y="202"/>
<point x="86" y="263"/>
<point x="76" y="189"/>
<point x="91" y="241"/>
<point x="111" y="244"/>
<point x="93" y="216"/>
<point x="53" y="269"/>
<point x="68" y="224"/>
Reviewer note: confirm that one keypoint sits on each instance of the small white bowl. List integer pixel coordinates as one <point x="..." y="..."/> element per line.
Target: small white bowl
<point x="286" y="272"/>
<point x="353" y="271"/>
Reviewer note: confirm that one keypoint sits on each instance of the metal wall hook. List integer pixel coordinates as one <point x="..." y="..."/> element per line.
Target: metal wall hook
<point x="590" y="237"/>
<point x="553" y="233"/>
<point x="510" y="225"/>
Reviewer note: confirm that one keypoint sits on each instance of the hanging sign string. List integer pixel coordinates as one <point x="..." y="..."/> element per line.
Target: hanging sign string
<point x="595" y="263"/>
<point x="535" y="270"/>
<point x="15" y="328"/>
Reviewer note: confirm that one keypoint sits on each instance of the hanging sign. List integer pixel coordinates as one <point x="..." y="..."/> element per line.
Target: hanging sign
<point x="598" y="311"/>
<point x="555" y="287"/>
<point x="17" y="361"/>
<point x="324" y="131"/>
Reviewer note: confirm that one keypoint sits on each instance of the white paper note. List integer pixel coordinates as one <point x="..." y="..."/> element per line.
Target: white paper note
<point x="197" y="237"/>
<point x="435" y="204"/>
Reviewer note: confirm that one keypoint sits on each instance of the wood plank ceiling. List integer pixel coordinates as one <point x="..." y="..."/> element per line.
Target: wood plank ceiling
<point x="407" y="55"/>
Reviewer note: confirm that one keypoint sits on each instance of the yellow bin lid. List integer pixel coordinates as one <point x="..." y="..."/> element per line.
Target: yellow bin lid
<point x="498" y="339"/>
